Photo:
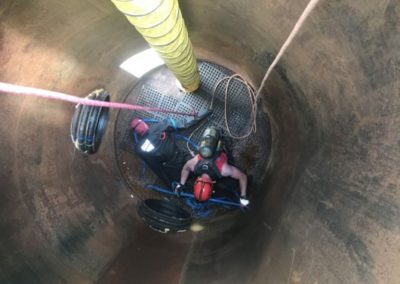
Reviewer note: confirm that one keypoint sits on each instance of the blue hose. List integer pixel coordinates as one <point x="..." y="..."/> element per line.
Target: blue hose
<point x="184" y="194"/>
<point x="194" y="145"/>
<point x="201" y="210"/>
<point x="150" y="120"/>
<point x="173" y="122"/>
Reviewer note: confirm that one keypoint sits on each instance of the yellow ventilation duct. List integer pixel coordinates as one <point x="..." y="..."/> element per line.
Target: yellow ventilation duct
<point x="161" y="24"/>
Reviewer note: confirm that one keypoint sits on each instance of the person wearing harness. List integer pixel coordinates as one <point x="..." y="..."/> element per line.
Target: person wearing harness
<point x="156" y="145"/>
<point x="210" y="165"/>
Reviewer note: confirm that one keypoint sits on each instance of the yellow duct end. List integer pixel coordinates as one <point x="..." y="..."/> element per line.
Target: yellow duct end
<point x="161" y="24"/>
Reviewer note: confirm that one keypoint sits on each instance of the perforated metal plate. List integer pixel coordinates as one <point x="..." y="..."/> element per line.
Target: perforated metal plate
<point x="238" y="104"/>
<point x="159" y="90"/>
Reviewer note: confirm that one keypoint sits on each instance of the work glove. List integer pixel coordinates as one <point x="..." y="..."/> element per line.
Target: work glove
<point x="178" y="189"/>
<point x="200" y="116"/>
<point x="244" y="201"/>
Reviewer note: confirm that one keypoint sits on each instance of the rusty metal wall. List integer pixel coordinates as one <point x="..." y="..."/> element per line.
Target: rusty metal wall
<point x="325" y="211"/>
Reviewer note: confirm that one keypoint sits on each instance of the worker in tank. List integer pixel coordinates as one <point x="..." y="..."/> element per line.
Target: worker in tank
<point x="210" y="165"/>
<point x="156" y="145"/>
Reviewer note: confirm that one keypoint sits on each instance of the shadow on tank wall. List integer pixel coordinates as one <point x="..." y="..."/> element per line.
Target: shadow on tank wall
<point x="332" y="199"/>
<point x="341" y="197"/>
<point x="64" y="215"/>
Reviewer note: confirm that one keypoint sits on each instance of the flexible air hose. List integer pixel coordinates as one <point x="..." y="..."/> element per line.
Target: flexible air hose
<point x="161" y="24"/>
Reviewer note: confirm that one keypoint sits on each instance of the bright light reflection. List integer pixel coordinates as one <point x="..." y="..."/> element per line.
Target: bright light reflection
<point x="142" y="62"/>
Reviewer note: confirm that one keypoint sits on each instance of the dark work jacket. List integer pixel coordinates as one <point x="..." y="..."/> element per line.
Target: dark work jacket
<point x="166" y="160"/>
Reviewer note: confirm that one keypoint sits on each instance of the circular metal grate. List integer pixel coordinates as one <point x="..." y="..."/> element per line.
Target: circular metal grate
<point x="158" y="89"/>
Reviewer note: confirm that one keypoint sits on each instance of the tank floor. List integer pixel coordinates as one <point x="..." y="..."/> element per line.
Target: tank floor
<point x="165" y="254"/>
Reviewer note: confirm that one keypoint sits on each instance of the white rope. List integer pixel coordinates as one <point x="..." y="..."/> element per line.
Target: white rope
<point x="252" y="98"/>
<point x="311" y="5"/>
<point x="252" y="95"/>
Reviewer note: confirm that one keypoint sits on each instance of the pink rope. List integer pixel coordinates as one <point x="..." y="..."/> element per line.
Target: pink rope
<point x="28" y="91"/>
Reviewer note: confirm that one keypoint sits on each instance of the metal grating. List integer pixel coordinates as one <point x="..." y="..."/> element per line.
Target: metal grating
<point x="238" y="105"/>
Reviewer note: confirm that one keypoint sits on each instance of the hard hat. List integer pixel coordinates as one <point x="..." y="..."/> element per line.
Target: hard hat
<point x="202" y="188"/>
<point x="139" y="126"/>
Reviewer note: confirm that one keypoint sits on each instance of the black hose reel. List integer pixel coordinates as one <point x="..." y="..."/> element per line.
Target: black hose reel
<point x="89" y="123"/>
<point x="164" y="216"/>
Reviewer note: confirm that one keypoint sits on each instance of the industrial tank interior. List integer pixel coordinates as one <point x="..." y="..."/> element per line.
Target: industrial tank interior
<point x="325" y="199"/>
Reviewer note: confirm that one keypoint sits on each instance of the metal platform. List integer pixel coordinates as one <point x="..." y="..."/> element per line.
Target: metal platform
<point x="158" y="89"/>
<point x="238" y="105"/>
